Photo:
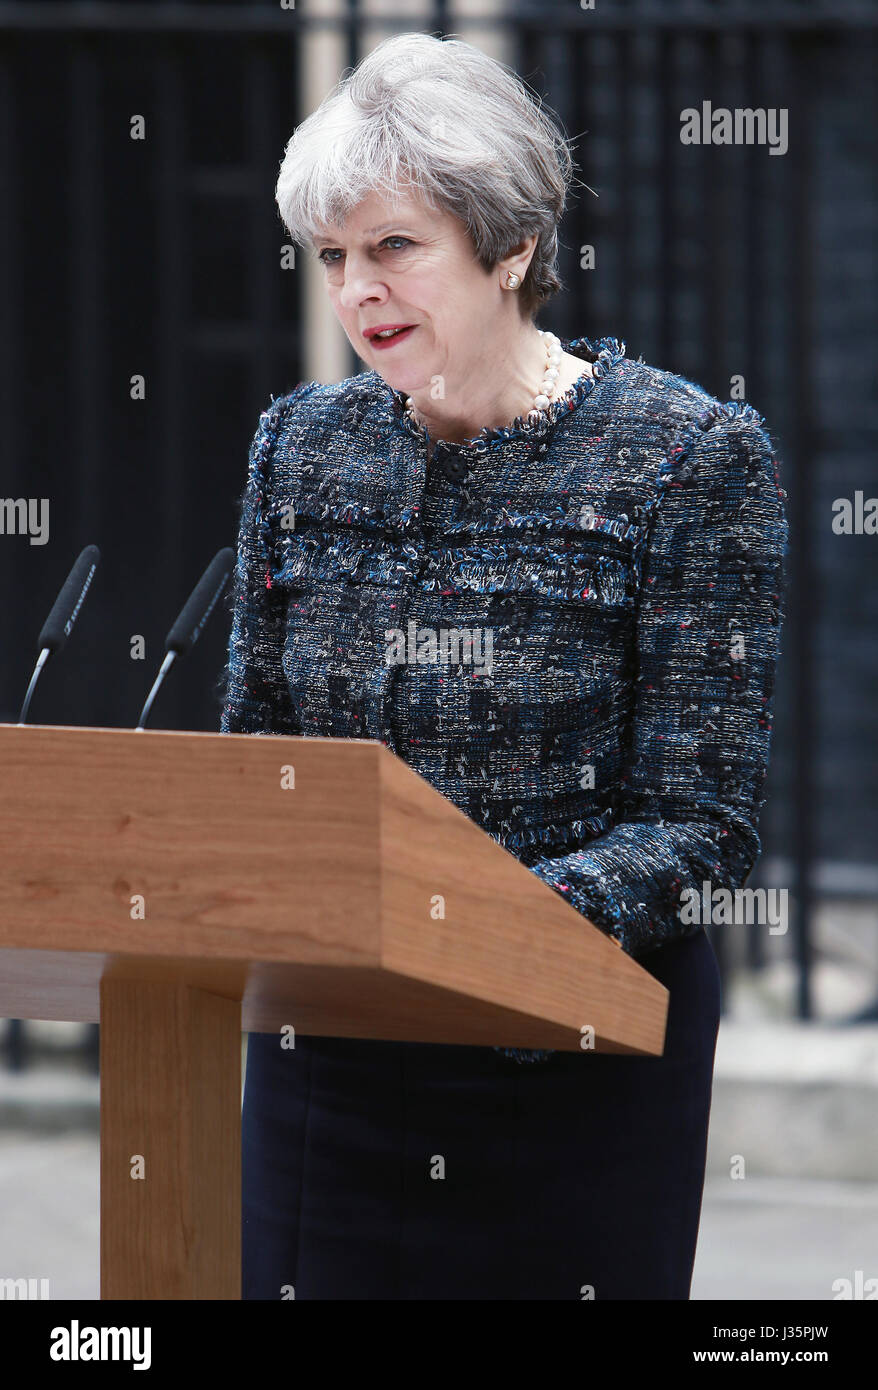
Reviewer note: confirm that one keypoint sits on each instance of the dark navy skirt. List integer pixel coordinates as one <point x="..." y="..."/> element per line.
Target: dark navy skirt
<point x="386" y="1170"/>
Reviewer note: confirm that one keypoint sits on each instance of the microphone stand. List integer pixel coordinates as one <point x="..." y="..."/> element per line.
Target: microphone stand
<point x="163" y="671"/>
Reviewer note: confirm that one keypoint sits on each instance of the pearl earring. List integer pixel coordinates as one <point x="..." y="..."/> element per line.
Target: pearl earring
<point x="512" y="280"/>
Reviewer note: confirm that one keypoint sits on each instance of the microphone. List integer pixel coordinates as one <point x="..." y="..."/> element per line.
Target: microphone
<point x="193" y="616"/>
<point x="65" y="611"/>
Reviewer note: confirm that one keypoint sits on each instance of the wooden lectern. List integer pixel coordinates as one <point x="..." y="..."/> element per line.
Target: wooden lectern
<point x="181" y="887"/>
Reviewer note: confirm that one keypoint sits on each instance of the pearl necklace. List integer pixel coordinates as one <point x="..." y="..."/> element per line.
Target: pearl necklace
<point x="542" y="399"/>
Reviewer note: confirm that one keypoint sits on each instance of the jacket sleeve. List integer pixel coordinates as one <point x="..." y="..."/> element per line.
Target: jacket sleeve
<point x="255" y="692"/>
<point x="708" y="627"/>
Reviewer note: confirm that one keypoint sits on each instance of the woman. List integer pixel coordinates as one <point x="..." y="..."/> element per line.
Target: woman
<point x="619" y="535"/>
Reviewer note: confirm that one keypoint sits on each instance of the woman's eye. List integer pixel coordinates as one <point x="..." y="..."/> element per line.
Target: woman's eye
<point x="330" y="251"/>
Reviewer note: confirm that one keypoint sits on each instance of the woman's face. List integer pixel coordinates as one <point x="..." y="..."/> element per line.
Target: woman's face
<point x="406" y="263"/>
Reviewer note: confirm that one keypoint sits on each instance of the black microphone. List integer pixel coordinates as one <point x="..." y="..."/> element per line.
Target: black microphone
<point x="65" y="611"/>
<point x="193" y="616"/>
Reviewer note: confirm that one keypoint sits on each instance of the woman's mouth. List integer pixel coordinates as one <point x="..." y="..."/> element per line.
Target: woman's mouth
<point x="395" y="336"/>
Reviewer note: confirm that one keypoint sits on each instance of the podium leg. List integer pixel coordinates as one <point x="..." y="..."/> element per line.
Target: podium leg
<point x="170" y="1060"/>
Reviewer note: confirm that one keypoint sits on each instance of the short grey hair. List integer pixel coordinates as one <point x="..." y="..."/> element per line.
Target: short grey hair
<point x="443" y="121"/>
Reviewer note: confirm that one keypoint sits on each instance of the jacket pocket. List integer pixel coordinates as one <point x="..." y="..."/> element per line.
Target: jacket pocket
<point x="581" y="577"/>
<point x="314" y="556"/>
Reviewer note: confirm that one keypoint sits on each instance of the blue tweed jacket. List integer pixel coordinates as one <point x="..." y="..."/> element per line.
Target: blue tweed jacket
<point x="619" y="564"/>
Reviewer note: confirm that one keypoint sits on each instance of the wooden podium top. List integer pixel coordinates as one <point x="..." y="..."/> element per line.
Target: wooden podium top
<point x="321" y="881"/>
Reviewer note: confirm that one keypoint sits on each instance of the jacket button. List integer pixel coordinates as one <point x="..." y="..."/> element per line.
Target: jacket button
<point x="454" y="469"/>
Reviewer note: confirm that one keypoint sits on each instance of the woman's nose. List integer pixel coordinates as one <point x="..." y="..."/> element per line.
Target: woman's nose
<point x="359" y="283"/>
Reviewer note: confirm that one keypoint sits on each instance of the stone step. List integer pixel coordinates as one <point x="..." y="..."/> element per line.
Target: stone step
<point x="795" y="1100"/>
